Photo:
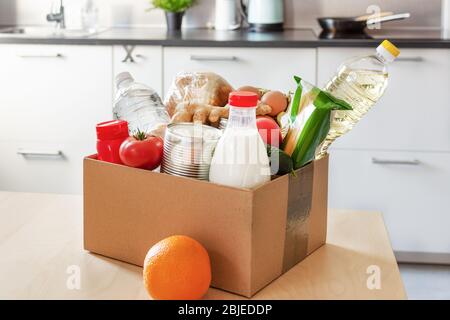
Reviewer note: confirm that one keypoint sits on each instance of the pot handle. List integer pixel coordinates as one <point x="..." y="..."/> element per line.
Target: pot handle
<point x="393" y="17"/>
<point x="369" y="16"/>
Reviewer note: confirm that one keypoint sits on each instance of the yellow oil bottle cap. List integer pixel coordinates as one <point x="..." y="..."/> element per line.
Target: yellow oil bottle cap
<point x="392" y="49"/>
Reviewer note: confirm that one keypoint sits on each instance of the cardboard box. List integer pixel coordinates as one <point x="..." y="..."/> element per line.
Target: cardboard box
<point x="252" y="236"/>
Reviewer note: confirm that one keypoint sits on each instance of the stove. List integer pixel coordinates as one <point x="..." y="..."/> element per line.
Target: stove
<point x="400" y="34"/>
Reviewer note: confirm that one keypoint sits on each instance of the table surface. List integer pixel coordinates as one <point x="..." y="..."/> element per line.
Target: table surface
<point x="42" y="257"/>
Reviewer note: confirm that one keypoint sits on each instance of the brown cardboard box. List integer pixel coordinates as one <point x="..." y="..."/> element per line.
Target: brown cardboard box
<point x="252" y="236"/>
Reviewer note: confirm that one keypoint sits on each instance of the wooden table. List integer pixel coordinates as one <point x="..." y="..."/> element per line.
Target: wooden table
<point x="41" y="253"/>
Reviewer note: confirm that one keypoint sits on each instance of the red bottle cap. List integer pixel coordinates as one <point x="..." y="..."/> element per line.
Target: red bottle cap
<point x="243" y="99"/>
<point x="111" y="130"/>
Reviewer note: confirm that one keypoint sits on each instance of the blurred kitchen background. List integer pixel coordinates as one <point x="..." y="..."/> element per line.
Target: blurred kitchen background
<point x="298" y="13"/>
<point x="396" y="161"/>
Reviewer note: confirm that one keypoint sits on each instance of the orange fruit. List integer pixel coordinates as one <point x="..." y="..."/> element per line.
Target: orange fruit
<point x="177" y="268"/>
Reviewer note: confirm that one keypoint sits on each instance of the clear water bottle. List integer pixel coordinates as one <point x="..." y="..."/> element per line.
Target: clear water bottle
<point x="361" y="82"/>
<point x="139" y="105"/>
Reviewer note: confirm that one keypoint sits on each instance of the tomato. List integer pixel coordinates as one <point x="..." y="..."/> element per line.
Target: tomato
<point x="269" y="130"/>
<point x="142" y="151"/>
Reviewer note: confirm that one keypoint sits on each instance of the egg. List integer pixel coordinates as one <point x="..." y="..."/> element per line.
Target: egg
<point x="250" y="89"/>
<point x="276" y="100"/>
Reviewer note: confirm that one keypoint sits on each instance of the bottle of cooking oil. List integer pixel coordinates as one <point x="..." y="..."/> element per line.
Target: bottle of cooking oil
<point x="361" y="82"/>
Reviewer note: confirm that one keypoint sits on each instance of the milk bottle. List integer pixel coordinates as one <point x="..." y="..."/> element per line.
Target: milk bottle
<point x="240" y="158"/>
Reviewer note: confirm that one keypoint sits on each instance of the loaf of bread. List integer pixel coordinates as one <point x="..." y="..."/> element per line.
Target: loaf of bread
<point x="203" y="88"/>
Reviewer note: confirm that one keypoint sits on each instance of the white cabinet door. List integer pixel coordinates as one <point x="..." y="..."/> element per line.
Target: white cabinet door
<point x="414" y="113"/>
<point x="411" y="190"/>
<point x="143" y="62"/>
<point x="52" y="97"/>
<point x="43" y="166"/>
<point x="266" y="68"/>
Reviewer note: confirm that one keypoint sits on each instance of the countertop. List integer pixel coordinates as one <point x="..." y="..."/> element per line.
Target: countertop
<point x="294" y="38"/>
<point x="41" y="250"/>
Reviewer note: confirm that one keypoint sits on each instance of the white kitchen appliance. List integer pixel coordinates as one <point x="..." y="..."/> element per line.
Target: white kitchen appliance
<point x="227" y="15"/>
<point x="264" y="15"/>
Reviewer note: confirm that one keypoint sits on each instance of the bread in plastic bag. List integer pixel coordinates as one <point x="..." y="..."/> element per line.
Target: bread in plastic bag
<point x="202" y="97"/>
<point x="201" y="88"/>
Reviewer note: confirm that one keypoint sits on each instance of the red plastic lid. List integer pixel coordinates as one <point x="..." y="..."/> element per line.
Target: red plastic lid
<point x="243" y="99"/>
<point x="111" y="130"/>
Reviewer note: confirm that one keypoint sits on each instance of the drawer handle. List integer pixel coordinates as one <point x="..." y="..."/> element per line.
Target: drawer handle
<point x="129" y="54"/>
<point x="25" y="153"/>
<point x="396" y="162"/>
<point x="213" y="58"/>
<point x="43" y="56"/>
<point x="131" y="59"/>
<point x="410" y="59"/>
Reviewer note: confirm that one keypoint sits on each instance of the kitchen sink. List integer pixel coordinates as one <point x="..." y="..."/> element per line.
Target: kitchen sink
<point x="45" y="32"/>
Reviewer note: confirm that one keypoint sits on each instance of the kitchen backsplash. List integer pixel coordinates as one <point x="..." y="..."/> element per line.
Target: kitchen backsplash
<point x="299" y="13"/>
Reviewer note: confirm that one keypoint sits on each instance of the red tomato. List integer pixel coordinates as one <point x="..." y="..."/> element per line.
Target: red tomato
<point x="269" y="130"/>
<point x="142" y="151"/>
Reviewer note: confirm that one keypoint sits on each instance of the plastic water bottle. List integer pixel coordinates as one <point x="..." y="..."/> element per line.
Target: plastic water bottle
<point x="139" y="105"/>
<point x="361" y="82"/>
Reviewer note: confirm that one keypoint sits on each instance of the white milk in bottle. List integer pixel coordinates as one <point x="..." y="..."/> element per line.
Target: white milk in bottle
<point x="240" y="158"/>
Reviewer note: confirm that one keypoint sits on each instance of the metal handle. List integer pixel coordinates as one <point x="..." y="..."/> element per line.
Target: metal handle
<point x="373" y="15"/>
<point x="393" y="17"/>
<point x="129" y="54"/>
<point x="129" y="58"/>
<point x="39" y="153"/>
<point x="56" y="56"/>
<point x="213" y="58"/>
<point x="410" y="59"/>
<point x="396" y="162"/>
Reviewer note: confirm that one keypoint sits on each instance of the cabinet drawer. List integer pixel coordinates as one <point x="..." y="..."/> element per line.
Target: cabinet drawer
<point x="37" y="166"/>
<point x="143" y="62"/>
<point x="410" y="189"/>
<point x="54" y="92"/>
<point x="413" y="114"/>
<point x="266" y="68"/>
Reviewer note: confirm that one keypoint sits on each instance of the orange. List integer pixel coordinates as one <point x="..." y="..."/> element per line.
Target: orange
<point x="177" y="268"/>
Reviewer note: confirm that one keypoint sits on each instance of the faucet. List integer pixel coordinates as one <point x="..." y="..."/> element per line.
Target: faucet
<point x="58" y="17"/>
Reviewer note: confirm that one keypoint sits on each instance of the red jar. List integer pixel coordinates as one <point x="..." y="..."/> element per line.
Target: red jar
<point x="110" y="135"/>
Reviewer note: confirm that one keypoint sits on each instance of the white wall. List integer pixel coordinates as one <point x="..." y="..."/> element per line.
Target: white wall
<point x="299" y="13"/>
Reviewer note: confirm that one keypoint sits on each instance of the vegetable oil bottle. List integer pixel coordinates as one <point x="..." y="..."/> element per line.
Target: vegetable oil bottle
<point x="361" y="82"/>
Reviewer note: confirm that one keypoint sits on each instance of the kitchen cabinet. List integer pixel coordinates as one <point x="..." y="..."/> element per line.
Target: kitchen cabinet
<point x="261" y="67"/>
<point x="43" y="166"/>
<point x="52" y="97"/>
<point x="397" y="159"/>
<point x="410" y="189"/>
<point x="143" y="62"/>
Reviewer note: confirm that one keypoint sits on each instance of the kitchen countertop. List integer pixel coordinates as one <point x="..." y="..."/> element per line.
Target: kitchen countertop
<point x="298" y="38"/>
<point x="41" y="249"/>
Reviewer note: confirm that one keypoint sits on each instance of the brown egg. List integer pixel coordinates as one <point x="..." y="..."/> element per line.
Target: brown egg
<point x="250" y="89"/>
<point x="276" y="100"/>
